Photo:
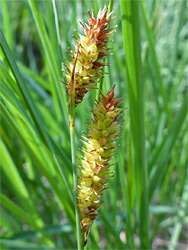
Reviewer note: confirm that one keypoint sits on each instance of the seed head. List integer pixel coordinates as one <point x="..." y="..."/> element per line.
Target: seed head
<point x="99" y="148"/>
<point x="91" y="49"/>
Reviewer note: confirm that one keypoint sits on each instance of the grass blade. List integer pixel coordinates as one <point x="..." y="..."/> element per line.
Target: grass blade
<point x="176" y="44"/>
<point x="131" y="38"/>
<point x="57" y="89"/>
<point x="7" y="23"/>
<point x="162" y="154"/>
<point x="155" y="64"/>
<point x="17" y="183"/>
<point x="180" y="218"/>
<point x="17" y="211"/>
<point x="14" y="244"/>
<point x="33" y="111"/>
<point x="38" y="154"/>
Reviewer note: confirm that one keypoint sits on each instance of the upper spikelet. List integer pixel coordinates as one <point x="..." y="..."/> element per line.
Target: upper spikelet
<point x="91" y="49"/>
<point x="99" y="149"/>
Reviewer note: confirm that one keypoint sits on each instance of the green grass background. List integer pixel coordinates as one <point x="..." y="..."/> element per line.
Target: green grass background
<point x="146" y="205"/>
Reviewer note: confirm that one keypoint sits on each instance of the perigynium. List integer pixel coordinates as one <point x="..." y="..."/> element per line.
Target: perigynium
<point x="100" y="146"/>
<point x="91" y="49"/>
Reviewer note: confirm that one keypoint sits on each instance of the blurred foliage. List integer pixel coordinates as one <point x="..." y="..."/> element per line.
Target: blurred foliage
<point x="37" y="211"/>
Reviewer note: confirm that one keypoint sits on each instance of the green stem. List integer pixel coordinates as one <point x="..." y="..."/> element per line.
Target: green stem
<point x="73" y="155"/>
<point x="100" y="84"/>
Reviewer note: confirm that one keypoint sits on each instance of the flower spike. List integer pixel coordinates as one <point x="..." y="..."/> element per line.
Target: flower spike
<point x="93" y="48"/>
<point x="99" y="150"/>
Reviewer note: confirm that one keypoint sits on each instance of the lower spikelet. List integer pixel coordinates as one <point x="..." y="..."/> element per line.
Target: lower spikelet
<point x="99" y="149"/>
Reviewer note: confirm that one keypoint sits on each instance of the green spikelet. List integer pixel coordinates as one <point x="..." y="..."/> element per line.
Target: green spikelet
<point x="99" y="149"/>
<point x="91" y="49"/>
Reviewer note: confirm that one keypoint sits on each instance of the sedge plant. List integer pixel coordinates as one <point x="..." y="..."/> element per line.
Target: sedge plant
<point x="83" y="72"/>
<point x="150" y="185"/>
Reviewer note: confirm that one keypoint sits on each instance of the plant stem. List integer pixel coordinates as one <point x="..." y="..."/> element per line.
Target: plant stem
<point x="73" y="155"/>
<point x="100" y="84"/>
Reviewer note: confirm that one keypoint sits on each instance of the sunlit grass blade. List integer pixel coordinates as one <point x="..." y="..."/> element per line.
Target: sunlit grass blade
<point x="57" y="89"/>
<point x="17" y="183"/>
<point x="33" y="111"/>
<point x="7" y="23"/>
<point x="131" y="39"/>
<point x="57" y="27"/>
<point x="39" y="155"/>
